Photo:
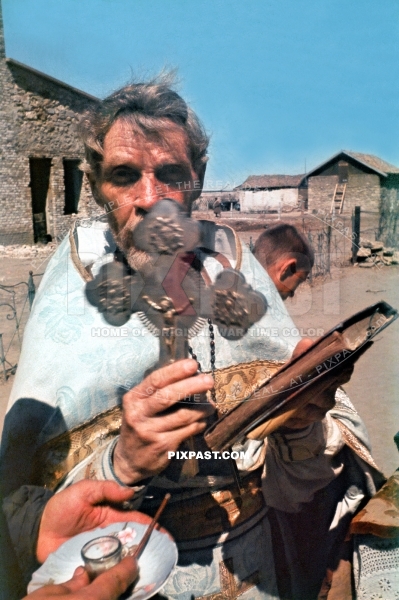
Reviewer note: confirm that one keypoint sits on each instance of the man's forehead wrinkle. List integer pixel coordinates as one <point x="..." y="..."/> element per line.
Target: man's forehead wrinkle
<point x="122" y="154"/>
<point x="124" y="145"/>
<point x="164" y="132"/>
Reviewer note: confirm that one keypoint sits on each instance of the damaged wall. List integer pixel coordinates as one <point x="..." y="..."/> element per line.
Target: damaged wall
<point x="39" y="154"/>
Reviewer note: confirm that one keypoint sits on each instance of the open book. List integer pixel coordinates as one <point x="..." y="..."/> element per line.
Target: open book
<point x="299" y="380"/>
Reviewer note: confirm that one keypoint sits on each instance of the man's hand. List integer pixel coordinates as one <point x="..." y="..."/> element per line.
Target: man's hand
<point x="82" y="506"/>
<point x="107" y="586"/>
<point x="154" y="422"/>
<point x="323" y="400"/>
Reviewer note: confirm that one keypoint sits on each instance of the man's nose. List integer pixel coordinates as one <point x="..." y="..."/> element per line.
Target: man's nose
<point x="148" y="191"/>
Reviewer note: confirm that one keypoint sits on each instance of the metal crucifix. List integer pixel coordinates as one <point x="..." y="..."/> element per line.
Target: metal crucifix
<point x="169" y="293"/>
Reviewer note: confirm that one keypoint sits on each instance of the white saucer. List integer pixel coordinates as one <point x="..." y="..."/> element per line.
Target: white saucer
<point x="155" y="564"/>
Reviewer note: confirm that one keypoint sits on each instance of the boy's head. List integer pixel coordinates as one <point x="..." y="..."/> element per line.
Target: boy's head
<point x="287" y="257"/>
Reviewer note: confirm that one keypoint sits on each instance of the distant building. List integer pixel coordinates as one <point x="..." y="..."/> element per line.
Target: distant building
<point x="345" y="180"/>
<point x="271" y="192"/>
<point x="41" y="186"/>
<point x="228" y="200"/>
<point x="350" y="179"/>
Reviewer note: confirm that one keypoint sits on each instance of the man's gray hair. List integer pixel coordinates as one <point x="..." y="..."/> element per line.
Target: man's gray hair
<point x="151" y="107"/>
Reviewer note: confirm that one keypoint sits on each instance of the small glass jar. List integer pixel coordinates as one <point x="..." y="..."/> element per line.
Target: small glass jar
<point x="101" y="554"/>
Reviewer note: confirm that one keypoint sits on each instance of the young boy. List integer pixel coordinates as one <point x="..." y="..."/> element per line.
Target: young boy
<point x="287" y="257"/>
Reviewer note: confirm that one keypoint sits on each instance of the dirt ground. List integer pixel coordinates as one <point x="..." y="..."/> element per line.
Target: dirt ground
<point x="375" y="383"/>
<point x="374" y="386"/>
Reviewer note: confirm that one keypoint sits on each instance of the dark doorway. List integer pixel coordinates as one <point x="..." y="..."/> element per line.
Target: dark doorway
<point x="39" y="184"/>
<point x="73" y="184"/>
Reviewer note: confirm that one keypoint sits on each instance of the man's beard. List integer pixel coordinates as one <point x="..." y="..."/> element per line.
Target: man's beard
<point x="137" y="259"/>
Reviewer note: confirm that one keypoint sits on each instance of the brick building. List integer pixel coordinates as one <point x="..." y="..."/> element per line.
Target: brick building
<point x="350" y="179"/>
<point x="41" y="186"/>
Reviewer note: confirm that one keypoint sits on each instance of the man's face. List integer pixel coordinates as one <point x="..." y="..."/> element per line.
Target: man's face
<point x="138" y="171"/>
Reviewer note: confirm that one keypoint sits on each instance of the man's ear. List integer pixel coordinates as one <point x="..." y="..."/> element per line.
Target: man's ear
<point x="287" y="269"/>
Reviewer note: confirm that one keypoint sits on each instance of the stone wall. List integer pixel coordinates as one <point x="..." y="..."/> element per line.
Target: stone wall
<point x="321" y="192"/>
<point x="13" y="198"/>
<point x="45" y="112"/>
<point x="361" y="190"/>
<point x="38" y="118"/>
<point x="388" y="227"/>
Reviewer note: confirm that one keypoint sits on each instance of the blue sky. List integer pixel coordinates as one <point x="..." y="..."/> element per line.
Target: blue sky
<point x="276" y="82"/>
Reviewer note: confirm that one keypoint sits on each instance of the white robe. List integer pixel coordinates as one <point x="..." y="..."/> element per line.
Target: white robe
<point x="76" y="366"/>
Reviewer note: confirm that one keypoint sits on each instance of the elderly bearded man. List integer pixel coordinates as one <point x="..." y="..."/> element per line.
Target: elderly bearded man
<point x="144" y="143"/>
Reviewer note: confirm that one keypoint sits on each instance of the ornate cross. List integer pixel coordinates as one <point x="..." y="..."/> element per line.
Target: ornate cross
<point x="168" y="292"/>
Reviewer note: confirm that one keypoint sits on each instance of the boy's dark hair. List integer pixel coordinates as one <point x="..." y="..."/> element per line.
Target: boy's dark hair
<point x="284" y="240"/>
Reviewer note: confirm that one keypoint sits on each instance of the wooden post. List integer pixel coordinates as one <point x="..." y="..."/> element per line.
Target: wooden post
<point x="3" y="357"/>
<point x="355" y="233"/>
<point x="310" y="243"/>
<point x="328" y="249"/>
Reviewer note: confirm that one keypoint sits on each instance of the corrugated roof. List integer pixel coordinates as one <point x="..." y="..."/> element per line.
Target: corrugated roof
<point x="270" y="181"/>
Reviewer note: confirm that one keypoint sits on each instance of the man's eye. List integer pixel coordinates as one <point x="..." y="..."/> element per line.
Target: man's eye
<point x="124" y="176"/>
<point x="173" y="174"/>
